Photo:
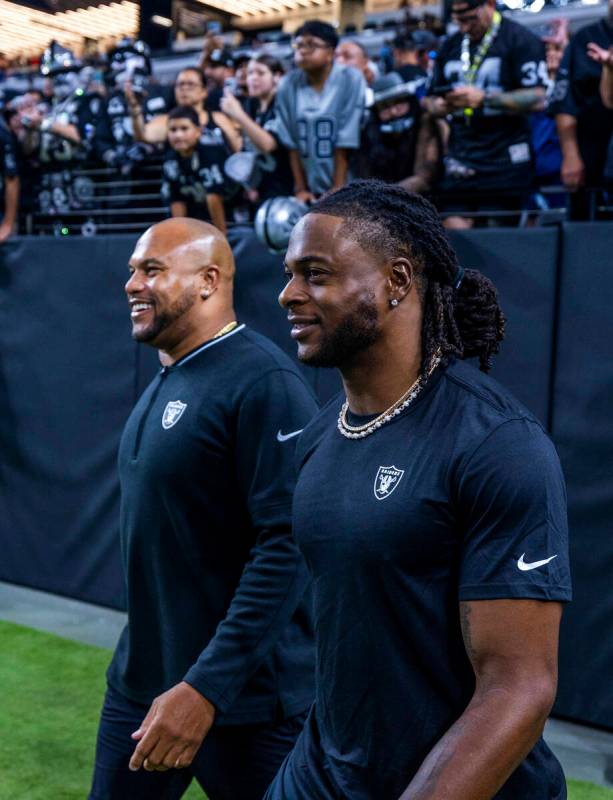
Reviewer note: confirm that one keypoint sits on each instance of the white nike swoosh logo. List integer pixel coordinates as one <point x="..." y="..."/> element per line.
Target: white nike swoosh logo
<point x="528" y="565"/>
<point x="283" y="437"/>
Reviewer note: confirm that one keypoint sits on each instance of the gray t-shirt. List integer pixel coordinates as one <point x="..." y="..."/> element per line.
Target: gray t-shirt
<point x="317" y="123"/>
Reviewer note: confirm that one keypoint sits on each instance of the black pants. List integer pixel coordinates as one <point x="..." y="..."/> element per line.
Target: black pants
<point x="235" y="762"/>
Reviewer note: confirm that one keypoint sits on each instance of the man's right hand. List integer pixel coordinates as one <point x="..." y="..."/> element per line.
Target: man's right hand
<point x="572" y="172"/>
<point x="437" y="106"/>
<point x="600" y="55"/>
<point x="304" y="196"/>
<point x="231" y="106"/>
<point x="5" y="232"/>
<point x="173" y="730"/>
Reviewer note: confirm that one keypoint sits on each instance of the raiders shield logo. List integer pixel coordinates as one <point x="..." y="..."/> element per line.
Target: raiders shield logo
<point x="386" y="480"/>
<point x="172" y="413"/>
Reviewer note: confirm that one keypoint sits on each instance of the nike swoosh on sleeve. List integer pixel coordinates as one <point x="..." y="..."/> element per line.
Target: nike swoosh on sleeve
<point x="525" y="566"/>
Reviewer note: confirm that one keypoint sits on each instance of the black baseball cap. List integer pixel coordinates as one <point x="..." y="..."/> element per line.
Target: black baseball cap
<point x="221" y="57"/>
<point x="416" y="40"/>
<point x="391" y="87"/>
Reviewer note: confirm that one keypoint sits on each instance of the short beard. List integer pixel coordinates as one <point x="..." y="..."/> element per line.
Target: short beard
<point x="165" y="318"/>
<point x="356" y="333"/>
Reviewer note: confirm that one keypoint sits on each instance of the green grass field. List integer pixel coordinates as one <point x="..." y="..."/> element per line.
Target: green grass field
<point x="50" y="695"/>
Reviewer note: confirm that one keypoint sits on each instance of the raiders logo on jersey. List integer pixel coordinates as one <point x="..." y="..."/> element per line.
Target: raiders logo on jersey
<point x="171" y="170"/>
<point x="212" y="136"/>
<point x="116" y="106"/>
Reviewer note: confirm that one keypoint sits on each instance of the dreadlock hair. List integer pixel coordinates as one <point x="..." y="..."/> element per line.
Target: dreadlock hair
<point x="383" y="218"/>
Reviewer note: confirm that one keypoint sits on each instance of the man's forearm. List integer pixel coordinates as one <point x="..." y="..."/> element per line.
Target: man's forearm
<point x="138" y="121"/>
<point x="178" y="209"/>
<point x="341" y="168"/>
<point x="481" y="750"/>
<point x="68" y="132"/>
<point x="216" y="210"/>
<point x="300" y="184"/>
<point x="260" y="137"/>
<point x="269" y="591"/>
<point x="11" y="201"/>
<point x="155" y="130"/>
<point x="519" y="101"/>
<point x="436" y="106"/>
<point x="514" y="691"/>
<point x="566" y="126"/>
<point x="427" y="154"/>
<point x="606" y="86"/>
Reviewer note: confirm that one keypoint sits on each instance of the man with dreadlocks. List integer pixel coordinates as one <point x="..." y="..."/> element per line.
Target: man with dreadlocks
<point x="430" y="507"/>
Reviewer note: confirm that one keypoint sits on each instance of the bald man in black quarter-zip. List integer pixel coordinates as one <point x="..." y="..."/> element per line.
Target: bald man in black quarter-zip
<point x="213" y="674"/>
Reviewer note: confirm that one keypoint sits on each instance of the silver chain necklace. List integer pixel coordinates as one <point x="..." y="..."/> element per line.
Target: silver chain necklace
<point x="360" y="431"/>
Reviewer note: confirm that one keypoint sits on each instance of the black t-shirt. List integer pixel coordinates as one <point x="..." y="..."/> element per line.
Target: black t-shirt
<point x="444" y="504"/>
<point x="388" y="156"/>
<point x="190" y="179"/>
<point x="213" y="100"/>
<point x="577" y="92"/>
<point x="215" y="583"/>
<point x="493" y="149"/>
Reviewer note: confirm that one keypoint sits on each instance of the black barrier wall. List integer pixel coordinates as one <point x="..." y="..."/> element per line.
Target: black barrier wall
<point x="69" y="375"/>
<point x="582" y="428"/>
<point x="524" y="267"/>
<point x="66" y="385"/>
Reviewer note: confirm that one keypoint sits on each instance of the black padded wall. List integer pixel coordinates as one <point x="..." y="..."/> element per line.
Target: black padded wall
<point x="523" y="266"/>
<point x="582" y="428"/>
<point x="66" y="388"/>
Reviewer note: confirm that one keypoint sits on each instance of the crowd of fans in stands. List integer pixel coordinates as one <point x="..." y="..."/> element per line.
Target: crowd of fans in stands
<point x="483" y="120"/>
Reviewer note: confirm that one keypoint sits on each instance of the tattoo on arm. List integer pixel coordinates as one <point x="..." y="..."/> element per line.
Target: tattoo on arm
<point x="520" y="101"/>
<point x="465" y="611"/>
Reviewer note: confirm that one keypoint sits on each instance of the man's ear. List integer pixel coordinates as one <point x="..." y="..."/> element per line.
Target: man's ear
<point x="401" y="279"/>
<point x="209" y="276"/>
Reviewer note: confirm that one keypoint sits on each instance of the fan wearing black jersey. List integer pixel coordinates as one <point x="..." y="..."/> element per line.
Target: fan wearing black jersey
<point x="584" y="118"/>
<point x="430" y="507"/>
<point x="193" y="179"/>
<point x="487" y="79"/>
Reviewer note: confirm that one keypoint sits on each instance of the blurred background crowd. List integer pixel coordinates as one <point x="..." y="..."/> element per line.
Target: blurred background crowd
<point x="497" y="122"/>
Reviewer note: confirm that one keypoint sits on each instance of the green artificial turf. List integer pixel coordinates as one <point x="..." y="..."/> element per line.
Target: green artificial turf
<point x="578" y="790"/>
<point x="50" y="695"/>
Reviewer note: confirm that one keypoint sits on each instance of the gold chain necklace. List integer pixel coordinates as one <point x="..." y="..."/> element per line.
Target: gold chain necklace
<point x="226" y="329"/>
<point x="360" y="431"/>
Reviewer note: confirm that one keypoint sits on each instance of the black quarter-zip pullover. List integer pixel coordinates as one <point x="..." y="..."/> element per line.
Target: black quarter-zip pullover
<point x="215" y="583"/>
